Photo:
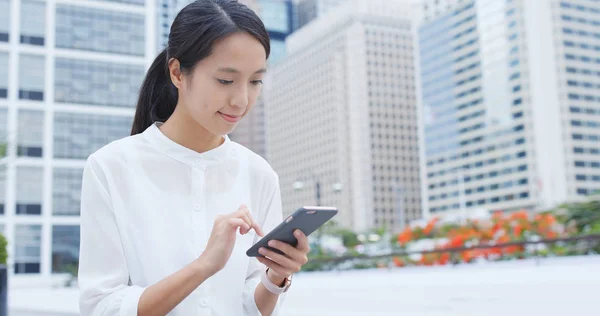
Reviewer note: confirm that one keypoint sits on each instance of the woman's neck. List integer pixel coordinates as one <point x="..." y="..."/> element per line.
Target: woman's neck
<point x="185" y="131"/>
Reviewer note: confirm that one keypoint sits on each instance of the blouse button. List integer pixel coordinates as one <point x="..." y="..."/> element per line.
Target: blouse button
<point x="204" y="302"/>
<point x="197" y="207"/>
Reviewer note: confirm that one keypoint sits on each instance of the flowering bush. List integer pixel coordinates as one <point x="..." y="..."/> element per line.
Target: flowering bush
<point x="502" y="228"/>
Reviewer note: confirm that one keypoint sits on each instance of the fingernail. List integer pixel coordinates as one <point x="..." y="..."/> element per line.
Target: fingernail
<point x="297" y="233"/>
<point x="272" y="243"/>
<point x="261" y="250"/>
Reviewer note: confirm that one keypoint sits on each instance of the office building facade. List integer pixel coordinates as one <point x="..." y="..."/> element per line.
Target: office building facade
<point x="341" y="116"/>
<point x="509" y="96"/>
<point x="69" y="78"/>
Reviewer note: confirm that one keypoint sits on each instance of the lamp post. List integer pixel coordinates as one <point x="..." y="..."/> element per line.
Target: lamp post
<point x="299" y="185"/>
<point x="337" y="187"/>
<point x="400" y="212"/>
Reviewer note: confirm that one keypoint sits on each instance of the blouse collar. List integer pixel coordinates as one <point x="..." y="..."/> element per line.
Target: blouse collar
<point x="184" y="154"/>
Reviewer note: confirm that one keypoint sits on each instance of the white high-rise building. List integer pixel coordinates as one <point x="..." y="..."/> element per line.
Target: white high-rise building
<point x="341" y="116"/>
<point x="511" y="103"/>
<point x="69" y="78"/>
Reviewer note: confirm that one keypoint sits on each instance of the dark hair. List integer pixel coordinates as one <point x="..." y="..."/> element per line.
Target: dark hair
<point x="193" y="33"/>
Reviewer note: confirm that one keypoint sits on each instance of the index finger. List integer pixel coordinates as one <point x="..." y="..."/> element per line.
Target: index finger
<point x="254" y="224"/>
<point x="302" y="240"/>
<point x="257" y="227"/>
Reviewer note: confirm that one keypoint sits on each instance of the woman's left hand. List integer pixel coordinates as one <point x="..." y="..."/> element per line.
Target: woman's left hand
<point x="283" y="266"/>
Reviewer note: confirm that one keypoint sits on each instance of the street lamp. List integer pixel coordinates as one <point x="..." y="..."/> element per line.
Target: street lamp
<point x="337" y="187"/>
<point x="400" y="211"/>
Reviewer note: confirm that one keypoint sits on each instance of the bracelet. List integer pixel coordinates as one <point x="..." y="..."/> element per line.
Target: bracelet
<point x="274" y="288"/>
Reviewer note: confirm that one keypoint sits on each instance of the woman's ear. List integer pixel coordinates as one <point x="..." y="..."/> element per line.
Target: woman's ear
<point x="175" y="73"/>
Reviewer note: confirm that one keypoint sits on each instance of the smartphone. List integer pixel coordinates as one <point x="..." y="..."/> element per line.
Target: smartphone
<point x="307" y="219"/>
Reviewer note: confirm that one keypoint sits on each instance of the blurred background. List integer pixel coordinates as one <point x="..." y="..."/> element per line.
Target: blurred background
<point x="460" y="140"/>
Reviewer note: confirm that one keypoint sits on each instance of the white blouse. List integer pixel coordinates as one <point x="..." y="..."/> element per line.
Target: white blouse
<point x="147" y="209"/>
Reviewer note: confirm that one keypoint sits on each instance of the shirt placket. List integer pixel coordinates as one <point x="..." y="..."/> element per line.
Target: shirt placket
<point x="200" y="227"/>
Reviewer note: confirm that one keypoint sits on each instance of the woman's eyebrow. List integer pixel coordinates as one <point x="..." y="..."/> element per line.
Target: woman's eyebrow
<point x="235" y="71"/>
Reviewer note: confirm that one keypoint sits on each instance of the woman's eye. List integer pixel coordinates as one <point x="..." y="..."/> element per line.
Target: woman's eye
<point x="256" y="82"/>
<point x="225" y="82"/>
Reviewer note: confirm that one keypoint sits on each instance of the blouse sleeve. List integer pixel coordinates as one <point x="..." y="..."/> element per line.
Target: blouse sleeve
<point x="103" y="274"/>
<point x="273" y="216"/>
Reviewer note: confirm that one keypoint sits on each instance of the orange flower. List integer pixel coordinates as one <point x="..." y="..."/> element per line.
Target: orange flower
<point x="457" y="242"/>
<point x="511" y="249"/>
<point x="551" y="235"/>
<point x="496" y="228"/>
<point x="405" y="236"/>
<point x="399" y="262"/>
<point x="444" y="258"/>
<point x="430" y="226"/>
<point x="517" y="230"/>
<point x="520" y="215"/>
<point x="550" y="219"/>
<point x="498" y="215"/>
<point x="495" y="251"/>
<point x="467" y="255"/>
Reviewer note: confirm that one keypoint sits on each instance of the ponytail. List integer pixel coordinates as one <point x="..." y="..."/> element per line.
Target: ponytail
<point x="158" y="96"/>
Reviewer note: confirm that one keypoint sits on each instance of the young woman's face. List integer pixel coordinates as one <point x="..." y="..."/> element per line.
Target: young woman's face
<point x="223" y="87"/>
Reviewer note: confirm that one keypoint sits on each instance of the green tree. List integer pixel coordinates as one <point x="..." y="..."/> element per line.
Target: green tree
<point x="585" y="215"/>
<point x="349" y="238"/>
<point x="3" y="252"/>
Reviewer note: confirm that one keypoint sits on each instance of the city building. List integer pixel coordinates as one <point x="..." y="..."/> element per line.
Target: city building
<point x="342" y="119"/>
<point x="308" y="10"/>
<point x="278" y="17"/>
<point x="70" y="72"/>
<point x="510" y="104"/>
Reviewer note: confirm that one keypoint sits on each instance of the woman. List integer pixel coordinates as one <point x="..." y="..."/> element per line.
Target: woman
<point x="161" y="209"/>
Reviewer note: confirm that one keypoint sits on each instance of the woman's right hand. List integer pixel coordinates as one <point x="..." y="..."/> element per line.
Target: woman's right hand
<point x="222" y="238"/>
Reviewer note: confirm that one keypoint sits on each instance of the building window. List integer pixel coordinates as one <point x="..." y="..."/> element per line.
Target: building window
<point x="30" y="135"/>
<point x="31" y="77"/>
<point x="100" y="30"/>
<point x="97" y="83"/>
<point x="33" y="22"/>
<point x="66" y="191"/>
<point x="4" y="21"/>
<point x="275" y="15"/>
<point x="3" y="74"/>
<point x="65" y="248"/>
<point x="76" y="136"/>
<point x="27" y="248"/>
<point x="29" y="190"/>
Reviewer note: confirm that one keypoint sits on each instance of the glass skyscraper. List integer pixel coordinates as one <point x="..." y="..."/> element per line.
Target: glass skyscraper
<point x="509" y="99"/>
<point x="69" y="78"/>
